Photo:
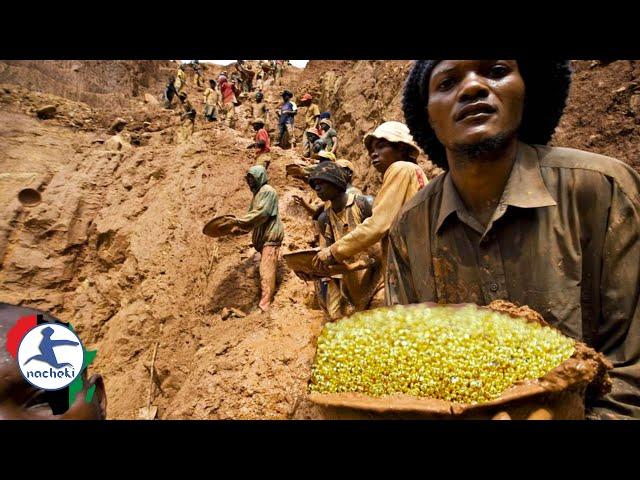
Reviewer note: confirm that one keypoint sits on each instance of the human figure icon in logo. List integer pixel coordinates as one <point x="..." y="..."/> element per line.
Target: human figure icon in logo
<point x="46" y="347"/>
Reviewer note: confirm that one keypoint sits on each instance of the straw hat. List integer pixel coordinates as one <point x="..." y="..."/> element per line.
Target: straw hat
<point x="345" y="164"/>
<point x="395" y="132"/>
<point x="327" y="155"/>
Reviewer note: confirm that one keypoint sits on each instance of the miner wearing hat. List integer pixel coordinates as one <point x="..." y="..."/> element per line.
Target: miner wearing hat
<point x="211" y="101"/>
<point x="286" y="113"/>
<point x="259" y="110"/>
<point x="261" y="144"/>
<point x="348" y="169"/>
<point x="311" y="136"/>
<point x="187" y="118"/>
<point x="180" y="80"/>
<point x="228" y="92"/>
<point x="315" y="209"/>
<point x="394" y="154"/>
<point x="247" y="74"/>
<point x="311" y="115"/>
<point x="329" y="135"/>
<point x="343" y="212"/>
<point x="553" y="228"/>
<point x="263" y="219"/>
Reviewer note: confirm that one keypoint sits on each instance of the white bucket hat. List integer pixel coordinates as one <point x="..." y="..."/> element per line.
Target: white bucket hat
<point x="393" y="132"/>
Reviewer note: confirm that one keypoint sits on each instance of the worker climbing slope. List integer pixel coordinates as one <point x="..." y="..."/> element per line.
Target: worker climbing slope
<point x="211" y="101"/>
<point x="263" y="219"/>
<point x="228" y="92"/>
<point x="261" y="144"/>
<point x="187" y="119"/>
<point x="286" y="112"/>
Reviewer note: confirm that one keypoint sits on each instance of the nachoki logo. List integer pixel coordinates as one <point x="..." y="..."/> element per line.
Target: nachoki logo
<point x="50" y="356"/>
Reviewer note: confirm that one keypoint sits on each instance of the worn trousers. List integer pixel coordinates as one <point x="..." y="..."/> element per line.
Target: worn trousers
<point x="286" y="130"/>
<point x="268" y="270"/>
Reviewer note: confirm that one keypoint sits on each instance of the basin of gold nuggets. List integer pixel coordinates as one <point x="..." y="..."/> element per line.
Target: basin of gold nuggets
<point x="453" y="361"/>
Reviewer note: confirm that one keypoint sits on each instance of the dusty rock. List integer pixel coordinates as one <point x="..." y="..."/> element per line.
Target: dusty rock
<point x="48" y="111"/>
<point x="634" y="103"/>
<point x="118" y="125"/>
<point x="117" y="142"/>
<point x="150" y="99"/>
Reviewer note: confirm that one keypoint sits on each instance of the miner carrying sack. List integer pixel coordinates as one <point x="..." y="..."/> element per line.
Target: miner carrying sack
<point x="553" y="228"/>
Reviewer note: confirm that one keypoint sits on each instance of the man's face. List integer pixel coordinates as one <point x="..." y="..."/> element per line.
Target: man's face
<point x="324" y="127"/>
<point x="473" y="101"/>
<point x="383" y="153"/>
<point x="256" y="127"/>
<point x="251" y="181"/>
<point x="326" y="191"/>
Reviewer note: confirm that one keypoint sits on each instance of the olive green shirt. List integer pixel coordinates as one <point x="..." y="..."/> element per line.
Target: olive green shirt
<point x="564" y="240"/>
<point x="263" y="217"/>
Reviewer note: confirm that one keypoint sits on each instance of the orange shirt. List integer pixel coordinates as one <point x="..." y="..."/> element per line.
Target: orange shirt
<point x="264" y="136"/>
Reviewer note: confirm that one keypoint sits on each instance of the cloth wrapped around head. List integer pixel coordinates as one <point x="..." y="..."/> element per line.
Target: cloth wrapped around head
<point x="329" y="172"/>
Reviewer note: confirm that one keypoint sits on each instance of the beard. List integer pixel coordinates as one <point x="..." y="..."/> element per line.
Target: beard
<point x="484" y="147"/>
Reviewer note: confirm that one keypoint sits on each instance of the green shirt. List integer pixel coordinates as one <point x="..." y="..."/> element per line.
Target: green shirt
<point x="263" y="216"/>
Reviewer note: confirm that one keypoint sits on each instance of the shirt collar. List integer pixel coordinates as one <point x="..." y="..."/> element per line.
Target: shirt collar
<point x="525" y="187"/>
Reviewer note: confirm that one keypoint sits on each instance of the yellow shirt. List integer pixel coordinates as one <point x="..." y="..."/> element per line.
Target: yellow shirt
<point x="310" y="115"/>
<point x="211" y="96"/>
<point x="180" y="79"/>
<point x="401" y="181"/>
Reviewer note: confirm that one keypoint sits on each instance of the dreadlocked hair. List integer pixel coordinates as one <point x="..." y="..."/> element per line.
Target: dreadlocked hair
<point x="546" y="90"/>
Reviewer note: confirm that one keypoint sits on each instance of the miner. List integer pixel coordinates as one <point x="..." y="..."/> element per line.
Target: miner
<point x="553" y="228"/>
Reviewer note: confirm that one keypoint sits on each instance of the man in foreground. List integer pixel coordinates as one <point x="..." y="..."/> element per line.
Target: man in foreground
<point x="556" y="229"/>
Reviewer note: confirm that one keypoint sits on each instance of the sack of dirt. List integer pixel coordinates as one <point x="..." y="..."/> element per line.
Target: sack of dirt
<point x="454" y="362"/>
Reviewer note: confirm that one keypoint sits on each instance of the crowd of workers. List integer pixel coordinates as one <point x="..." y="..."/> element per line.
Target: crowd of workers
<point x="553" y="228"/>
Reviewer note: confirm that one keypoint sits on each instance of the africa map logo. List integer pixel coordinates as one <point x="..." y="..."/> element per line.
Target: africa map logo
<point x="50" y="355"/>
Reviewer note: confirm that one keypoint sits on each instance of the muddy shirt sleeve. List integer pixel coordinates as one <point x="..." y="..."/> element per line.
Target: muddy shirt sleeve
<point x="399" y="288"/>
<point x="619" y="329"/>
<point x="388" y="204"/>
<point x="263" y="208"/>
